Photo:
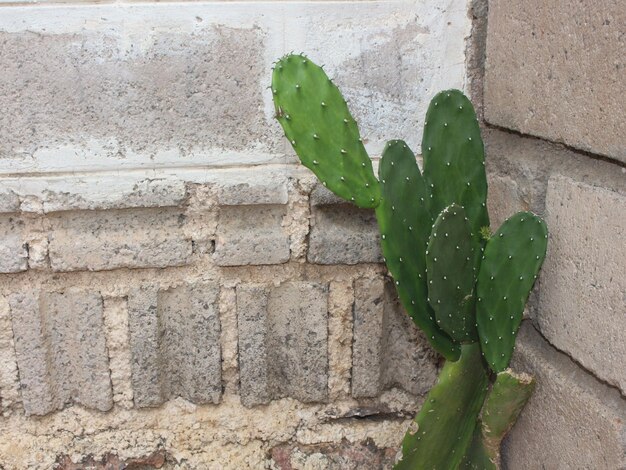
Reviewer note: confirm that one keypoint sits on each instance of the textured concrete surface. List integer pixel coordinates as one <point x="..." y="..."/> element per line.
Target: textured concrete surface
<point x="582" y="307"/>
<point x="571" y="420"/>
<point x="61" y="350"/>
<point x="175" y="344"/>
<point x="287" y="354"/>
<point x="343" y="234"/>
<point x="97" y="241"/>
<point x="388" y="350"/>
<point x="251" y="235"/>
<point x="153" y="85"/>
<point x="554" y="70"/>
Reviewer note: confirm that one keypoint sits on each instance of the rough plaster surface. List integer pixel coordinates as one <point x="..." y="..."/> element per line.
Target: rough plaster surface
<point x="553" y="70"/>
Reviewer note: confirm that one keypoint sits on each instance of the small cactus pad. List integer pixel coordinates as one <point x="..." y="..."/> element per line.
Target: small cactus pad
<point x="511" y="261"/>
<point x="317" y="122"/>
<point x="451" y="262"/>
<point x="404" y="222"/>
<point x="505" y="401"/>
<point x="443" y="429"/>
<point x="454" y="157"/>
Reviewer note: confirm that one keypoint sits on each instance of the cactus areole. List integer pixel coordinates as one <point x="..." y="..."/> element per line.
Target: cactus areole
<point x="465" y="288"/>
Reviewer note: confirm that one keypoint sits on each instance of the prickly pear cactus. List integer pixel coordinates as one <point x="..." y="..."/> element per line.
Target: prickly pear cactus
<point x="454" y="157"/>
<point x="466" y="290"/>
<point x="404" y="222"/>
<point x="451" y="260"/>
<point x="443" y="428"/>
<point x="320" y="128"/>
<point x="511" y="262"/>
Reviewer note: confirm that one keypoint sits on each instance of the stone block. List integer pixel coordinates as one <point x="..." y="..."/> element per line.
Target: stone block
<point x="571" y="421"/>
<point x="554" y="70"/>
<point x="252" y="326"/>
<point x="582" y="305"/>
<point x="61" y="350"/>
<point x="504" y="199"/>
<point x="283" y="342"/>
<point x="343" y="234"/>
<point x="9" y="201"/>
<point x="252" y="191"/>
<point x="124" y="102"/>
<point x="9" y="379"/>
<point x="251" y="235"/>
<point x="13" y="246"/>
<point x="388" y="350"/>
<point x="175" y="344"/>
<point x="103" y="240"/>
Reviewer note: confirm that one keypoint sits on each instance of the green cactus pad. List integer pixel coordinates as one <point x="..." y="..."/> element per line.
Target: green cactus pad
<point x="511" y="261"/>
<point x="443" y="428"/>
<point x="454" y="157"/>
<point x="451" y="262"/>
<point x="317" y="122"/>
<point x="505" y="401"/>
<point x="404" y="222"/>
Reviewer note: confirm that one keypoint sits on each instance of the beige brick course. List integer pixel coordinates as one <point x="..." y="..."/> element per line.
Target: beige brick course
<point x="582" y="307"/>
<point x="103" y="240"/>
<point x="558" y="70"/>
<point x="572" y="421"/>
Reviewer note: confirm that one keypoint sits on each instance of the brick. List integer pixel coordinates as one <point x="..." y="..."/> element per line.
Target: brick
<point x="9" y="202"/>
<point x="60" y="349"/>
<point x="553" y="70"/>
<point x="9" y="380"/>
<point x="103" y="240"/>
<point x="283" y="342"/>
<point x="504" y="199"/>
<point x="343" y="234"/>
<point x="251" y="235"/>
<point x="388" y="350"/>
<point x="175" y="344"/>
<point x="571" y="421"/>
<point x="145" y="106"/>
<point x="252" y="191"/>
<point x="13" y="247"/>
<point x="253" y="355"/>
<point x="583" y="288"/>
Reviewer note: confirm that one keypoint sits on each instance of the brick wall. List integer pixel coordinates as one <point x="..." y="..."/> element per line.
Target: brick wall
<point x="555" y="139"/>
<point x="175" y="289"/>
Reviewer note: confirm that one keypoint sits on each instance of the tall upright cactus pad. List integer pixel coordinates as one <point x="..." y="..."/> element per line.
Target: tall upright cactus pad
<point x="404" y="221"/>
<point x="317" y="122"/>
<point x="511" y="261"/>
<point x="451" y="261"/>
<point x="444" y="427"/>
<point x="454" y="157"/>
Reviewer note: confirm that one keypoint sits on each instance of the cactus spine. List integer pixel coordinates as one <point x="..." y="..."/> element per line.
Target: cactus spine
<point x="465" y="289"/>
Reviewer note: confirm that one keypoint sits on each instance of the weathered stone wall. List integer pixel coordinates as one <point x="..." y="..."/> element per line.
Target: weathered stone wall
<point x="175" y="290"/>
<point x="555" y="136"/>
